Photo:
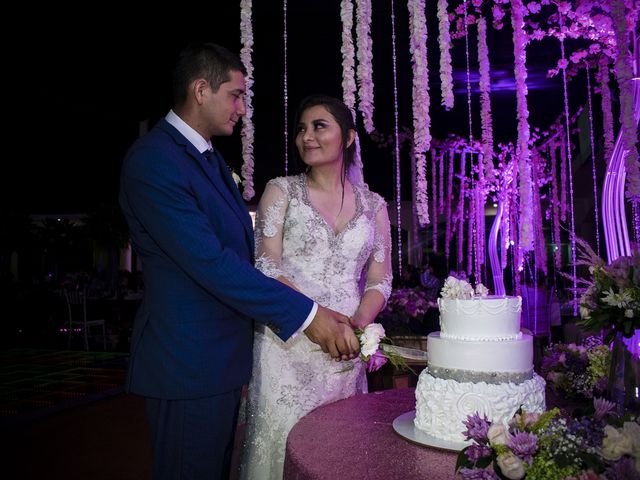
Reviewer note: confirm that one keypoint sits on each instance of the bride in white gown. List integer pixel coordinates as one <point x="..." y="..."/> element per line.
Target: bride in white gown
<point x="325" y="234"/>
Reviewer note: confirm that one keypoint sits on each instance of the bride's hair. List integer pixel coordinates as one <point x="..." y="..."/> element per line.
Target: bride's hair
<point x="343" y="117"/>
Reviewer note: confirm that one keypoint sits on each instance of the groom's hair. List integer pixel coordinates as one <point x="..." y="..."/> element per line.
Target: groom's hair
<point x="203" y="60"/>
<point x="343" y="117"/>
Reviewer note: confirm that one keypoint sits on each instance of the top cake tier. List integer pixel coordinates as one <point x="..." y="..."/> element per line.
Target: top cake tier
<point x="488" y="318"/>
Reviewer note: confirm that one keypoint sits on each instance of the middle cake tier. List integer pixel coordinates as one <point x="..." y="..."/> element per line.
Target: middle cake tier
<point x="480" y="361"/>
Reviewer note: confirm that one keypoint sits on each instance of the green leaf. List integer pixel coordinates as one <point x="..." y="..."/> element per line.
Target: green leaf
<point x="484" y="462"/>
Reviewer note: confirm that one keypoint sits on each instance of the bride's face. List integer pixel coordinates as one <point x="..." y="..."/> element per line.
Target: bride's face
<point x="319" y="137"/>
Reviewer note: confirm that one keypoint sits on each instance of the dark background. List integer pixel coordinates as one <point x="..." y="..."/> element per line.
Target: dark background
<point x="80" y="82"/>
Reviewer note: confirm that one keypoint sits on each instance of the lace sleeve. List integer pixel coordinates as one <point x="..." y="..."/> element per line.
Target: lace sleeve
<point x="268" y="233"/>
<point x="379" y="273"/>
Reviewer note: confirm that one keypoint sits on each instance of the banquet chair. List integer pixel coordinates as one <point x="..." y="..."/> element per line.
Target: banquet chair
<point x="77" y="321"/>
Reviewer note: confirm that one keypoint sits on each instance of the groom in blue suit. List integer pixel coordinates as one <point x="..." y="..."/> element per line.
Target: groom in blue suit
<point x="192" y="339"/>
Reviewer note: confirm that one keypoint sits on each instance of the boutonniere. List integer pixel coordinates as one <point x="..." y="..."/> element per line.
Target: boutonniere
<point x="236" y="178"/>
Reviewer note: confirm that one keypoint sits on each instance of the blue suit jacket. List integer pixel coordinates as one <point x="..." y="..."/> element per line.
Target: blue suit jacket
<point x="193" y="334"/>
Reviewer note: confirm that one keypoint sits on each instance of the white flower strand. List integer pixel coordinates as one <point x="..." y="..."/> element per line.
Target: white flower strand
<point x="570" y="170"/>
<point x="365" y="65"/>
<point x="444" y="40"/>
<point x="485" y="101"/>
<point x="348" y="56"/>
<point x="396" y="137"/>
<point x="348" y="77"/>
<point x="285" y="87"/>
<point x="421" y="119"/>
<point x="628" y="125"/>
<point x="246" y="38"/>
<point x="520" y="71"/>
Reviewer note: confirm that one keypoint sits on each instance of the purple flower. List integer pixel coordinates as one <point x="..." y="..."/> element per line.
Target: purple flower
<point x="524" y="445"/>
<point x="475" y="452"/>
<point x="477" y="474"/>
<point x="376" y="361"/>
<point x="602" y="407"/>
<point x="477" y="428"/>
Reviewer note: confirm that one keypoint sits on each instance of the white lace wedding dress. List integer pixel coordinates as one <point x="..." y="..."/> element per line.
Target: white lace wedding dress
<point x="292" y="378"/>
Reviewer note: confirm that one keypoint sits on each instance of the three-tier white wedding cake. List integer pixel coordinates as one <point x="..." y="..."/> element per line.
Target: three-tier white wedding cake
<point x="480" y="362"/>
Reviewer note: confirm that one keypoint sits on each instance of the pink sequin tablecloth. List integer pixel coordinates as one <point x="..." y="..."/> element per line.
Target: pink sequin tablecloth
<point x="354" y="438"/>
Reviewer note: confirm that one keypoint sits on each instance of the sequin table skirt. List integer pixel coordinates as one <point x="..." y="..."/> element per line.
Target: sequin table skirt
<point x="354" y="438"/>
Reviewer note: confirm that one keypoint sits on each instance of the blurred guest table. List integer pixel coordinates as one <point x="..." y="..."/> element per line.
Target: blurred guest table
<point x="354" y="438"/>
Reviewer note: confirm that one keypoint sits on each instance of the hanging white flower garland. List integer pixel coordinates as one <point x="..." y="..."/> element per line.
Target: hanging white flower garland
<point x="246" y="38"/>
<point x="624" y="75"/>
<point x="348" y="56"/>
<point x="421" y="119"/>
<point x="607" y="114"/>
<point x="349" y="81"/>
<point x="446" y="72"/>
<point x="522" y="151"/>
<point x="365" y="65"/>
<point x="485" y="100"/>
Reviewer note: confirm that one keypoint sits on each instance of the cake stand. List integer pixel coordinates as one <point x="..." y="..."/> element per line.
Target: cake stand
<point x="403" y="426"/>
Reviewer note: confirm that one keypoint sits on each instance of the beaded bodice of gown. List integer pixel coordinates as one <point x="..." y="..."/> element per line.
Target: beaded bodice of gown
<point x="324" y="265"/>
<point x="292" y="378"/>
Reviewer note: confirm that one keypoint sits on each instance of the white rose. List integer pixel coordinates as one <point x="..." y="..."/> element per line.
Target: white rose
<point x="370" y="339"/>
<point x="615" y="444"/>
<point x="236" y="178"/>
<point x="632" y="431"/>
<point x="481" y="290"/>
<point x="511" y="466"/>
<point x="498" y="434"/>
<point x="375" y="329"/>
<point x="368" y="345"/>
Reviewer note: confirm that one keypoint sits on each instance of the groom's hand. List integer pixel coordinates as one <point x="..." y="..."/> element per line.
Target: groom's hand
<point x="331" y="330"/>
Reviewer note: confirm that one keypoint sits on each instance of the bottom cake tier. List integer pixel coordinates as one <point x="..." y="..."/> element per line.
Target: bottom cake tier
<point x="443" y="405"/>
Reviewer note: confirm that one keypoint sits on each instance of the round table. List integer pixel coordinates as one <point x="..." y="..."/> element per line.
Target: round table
<point x="354" y="438"/>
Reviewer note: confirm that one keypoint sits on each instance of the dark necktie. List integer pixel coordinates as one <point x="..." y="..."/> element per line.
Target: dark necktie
<point x="220" y="167"/>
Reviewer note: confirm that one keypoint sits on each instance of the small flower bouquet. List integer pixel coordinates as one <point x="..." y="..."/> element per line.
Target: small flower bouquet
<point x="371" y="338"/>
<point x="612" y="299"/>
<point x="548" y="446"/>
<point x="456" y="288"/>
<point x="577" y="372"/>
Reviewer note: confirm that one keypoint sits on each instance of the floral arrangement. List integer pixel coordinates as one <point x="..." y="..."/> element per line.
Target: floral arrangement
<point x="371" y="338"/>
<point x="551" y="446"/>
<point x="612" y="300"/>
<point x="403" y="306"/>
<point x="577" y="371"/>
<point x="456" y="288"/>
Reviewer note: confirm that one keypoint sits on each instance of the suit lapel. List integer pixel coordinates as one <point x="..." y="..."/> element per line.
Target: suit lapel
<point x="226" y="188"/>
<point x="225" y="185"/>
<point x="234" y="190"/>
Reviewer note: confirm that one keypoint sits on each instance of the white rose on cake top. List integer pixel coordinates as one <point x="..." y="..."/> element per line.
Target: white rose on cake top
<point x="469" y="315"/>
